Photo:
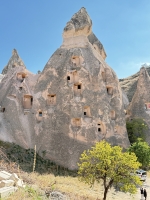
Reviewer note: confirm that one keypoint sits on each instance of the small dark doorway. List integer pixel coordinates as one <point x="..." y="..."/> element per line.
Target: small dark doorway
<point x="40" y="113"/>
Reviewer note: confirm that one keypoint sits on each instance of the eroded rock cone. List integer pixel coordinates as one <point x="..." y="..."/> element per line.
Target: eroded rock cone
<point x="73" y="103"/>
<point x="15" y="61"/>
<point x="140" y="104"/>
<point x="81" y="94"/>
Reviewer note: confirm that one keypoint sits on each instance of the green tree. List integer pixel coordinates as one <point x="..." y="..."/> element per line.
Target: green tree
<point x="109" y="165"/>
<point x="142" y="151"/>
<point x="136" y="129"/>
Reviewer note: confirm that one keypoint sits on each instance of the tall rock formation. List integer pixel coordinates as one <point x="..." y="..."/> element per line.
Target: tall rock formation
<point x="16" y="87"/>
<point x="129" y="84"/>
<point x="140" y="104"/>
<point x="73" y="103"/>
<point x="81" y="94"/>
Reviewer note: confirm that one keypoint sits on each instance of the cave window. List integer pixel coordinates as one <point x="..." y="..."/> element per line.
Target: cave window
<point x="75" y="60"/>
<point x="99" y="129"/>
<point x="27" y="101"/>
<point x="40" y="113"/>
<point x="20" y="88"/>
<point x="3" y="110"/>
<point x="72" y="77"/>
<point x="86" y="110"/>
<point x="77" y="89"/>
<point x="31" y="100"/>
<point x="76" y="122"/>
<point x="51" y="99"/>
<point x="109" y="90"/>
<point x="21" y="76"/>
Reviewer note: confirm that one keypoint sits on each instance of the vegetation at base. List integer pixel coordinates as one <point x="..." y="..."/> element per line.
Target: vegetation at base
<point x="110" y="165"/>
<point x="24" y="158"/>
<point x="136" y="129"/>
<point x="142" y="151"/>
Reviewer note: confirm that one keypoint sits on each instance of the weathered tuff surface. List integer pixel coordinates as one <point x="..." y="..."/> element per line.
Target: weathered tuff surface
<point x="74" y="102"/>
<point x="129" y="84"/>
<point x="140" y="104"/>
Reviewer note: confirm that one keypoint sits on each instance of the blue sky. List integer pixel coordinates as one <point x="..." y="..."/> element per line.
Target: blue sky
<point x="35" y="28"/>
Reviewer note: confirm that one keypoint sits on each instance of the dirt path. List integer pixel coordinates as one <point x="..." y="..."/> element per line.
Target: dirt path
<point x="116" y="195"/>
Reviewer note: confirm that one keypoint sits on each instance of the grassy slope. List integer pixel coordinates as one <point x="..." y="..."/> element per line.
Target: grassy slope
<point x="47" y="176"/>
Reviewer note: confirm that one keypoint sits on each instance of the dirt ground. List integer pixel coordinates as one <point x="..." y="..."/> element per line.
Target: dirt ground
<point x="116" y="195"/>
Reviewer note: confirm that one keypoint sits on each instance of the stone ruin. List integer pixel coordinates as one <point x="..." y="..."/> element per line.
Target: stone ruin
<point x="74" y="102"/>
<point x="9" y="183"/>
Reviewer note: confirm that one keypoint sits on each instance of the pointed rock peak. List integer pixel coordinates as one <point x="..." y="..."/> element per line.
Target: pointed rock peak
<point x="80" y="24"/>
<point x="15" y="61"/>
<point x="144" y="79"/>
<point x="14" y="52"/>
<point x="143" y="72"/>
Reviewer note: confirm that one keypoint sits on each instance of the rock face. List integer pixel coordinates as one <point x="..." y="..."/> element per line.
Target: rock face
<point x="16" y="88"/>
<point x="74" y="102"/>
<point x="129" y="84"/>
<point x="1" y="77"/>
<point x="125" y="100"/>
<point x="140" y="104"/>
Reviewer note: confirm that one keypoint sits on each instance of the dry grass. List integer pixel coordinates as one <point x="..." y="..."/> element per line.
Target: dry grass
<point x="69" y="186"/>
<point x="38" y="184"/>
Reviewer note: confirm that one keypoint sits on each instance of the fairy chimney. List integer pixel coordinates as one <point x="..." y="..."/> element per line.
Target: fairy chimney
<point x="74" y="102"/>
<point x="140" y="104"/>
<point x="80" y="96"/>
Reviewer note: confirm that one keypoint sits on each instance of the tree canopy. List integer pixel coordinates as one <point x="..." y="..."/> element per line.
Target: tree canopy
<point x="136" y="129"/>
<point x="142" y="151"/>
<point x="109" y="165"/>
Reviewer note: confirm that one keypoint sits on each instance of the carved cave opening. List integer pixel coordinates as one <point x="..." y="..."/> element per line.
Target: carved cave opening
<point x="40" y="113"/>
<point x="101" y="128"/>
<point x="76" y="122"/>
<point x="77" y="89"/>
<point x="21" y="76"/>
<point x="72" y="77"/>
<point x="27" y="101"/>
<point x="109" y="90"/>
<point x="77" y="60"/>
<point x="51" y="99"/>
<point x="86" y="111"/>
<point x="3" y="109"/>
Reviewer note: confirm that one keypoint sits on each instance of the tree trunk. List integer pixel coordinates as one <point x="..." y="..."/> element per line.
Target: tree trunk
<point x="107" y="187"/>
<point x="105" y="193"/>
